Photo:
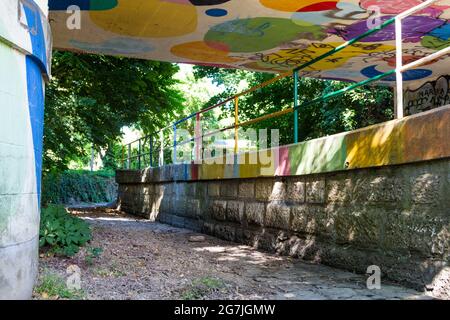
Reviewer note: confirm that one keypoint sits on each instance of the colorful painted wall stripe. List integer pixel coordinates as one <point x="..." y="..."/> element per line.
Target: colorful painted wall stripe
<point x="421" y="137"/>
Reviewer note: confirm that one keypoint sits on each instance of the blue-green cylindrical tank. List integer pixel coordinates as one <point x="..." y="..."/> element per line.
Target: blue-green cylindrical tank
<point x="25" y="48"/>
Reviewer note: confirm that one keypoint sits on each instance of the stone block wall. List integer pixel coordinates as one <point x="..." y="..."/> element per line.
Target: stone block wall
<point x="396" y="217"/>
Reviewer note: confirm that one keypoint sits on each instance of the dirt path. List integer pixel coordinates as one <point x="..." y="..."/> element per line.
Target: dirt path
<point x="147" y="260"/>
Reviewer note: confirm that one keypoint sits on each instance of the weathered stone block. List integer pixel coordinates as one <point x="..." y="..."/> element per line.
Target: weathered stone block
<point x="265" y="240"/>
<point x="302" y="220"/>
<point x="208" y="228"/>
<point x="148" y="189"/>
<point x="165" y="218"/>
<point x="156" y="204"/>
<point x="263" y="189"/>
<point x="218" y="209"/>
<point x="166" y="204"/>
<point x="213" y="189"/>
<point x="193" y="224"/>
<point x="179" y="206"/>
<point x="278" y="191"/>
<point x="249" y="236"/>
<point x="190" y="189"/>
<point x="247" y="189"/>
<point x="179" y="189"/>
<point x="170" y="189"/>
<point x="254" y="213"/>
<point x="278" y="215"/>
<point x="147" y="203"/>
<point x="229" y="189"/>
<point x="201" y="190"/>
<point x="379" y="189"/>
<point x="359" y="226"/>
<point x="306" y="248"/>
<point x="295" y="190"/>
<point x="426" y="188"/>
<point x="193" y="208"/>
<point x="315" y="191"/>
<point x="160" y="189"/>
<point x="178" y="221"/>
<point x="224" y="231"/>
<point x="427" y="234"/>
<point x="339" y="190"/>
<point x="235" y="211"/>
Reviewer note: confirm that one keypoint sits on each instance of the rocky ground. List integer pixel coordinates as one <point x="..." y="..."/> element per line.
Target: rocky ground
<point x="147" y="260"/>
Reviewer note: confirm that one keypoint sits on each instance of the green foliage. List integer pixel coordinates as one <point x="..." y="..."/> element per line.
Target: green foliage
<point x="92" y="97"/>
<point x="92" y="254"/>
<point x="355" y="109"/>
<point x="78" y="186"/>
<point x="61" y="232"/>
<point x="200" y="288"/>
<point x="52" y="285"/>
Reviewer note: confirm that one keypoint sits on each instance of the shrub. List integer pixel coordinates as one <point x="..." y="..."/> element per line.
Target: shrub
<point x="52" y="285"/>
<point x="92" y="254"/>
<point x="75" y="186"/>
<point x="62" y="232"/>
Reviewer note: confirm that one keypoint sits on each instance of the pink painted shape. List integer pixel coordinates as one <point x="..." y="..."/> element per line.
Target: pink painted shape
<point x="397" y="6"/>
<point x="284" y="164"/>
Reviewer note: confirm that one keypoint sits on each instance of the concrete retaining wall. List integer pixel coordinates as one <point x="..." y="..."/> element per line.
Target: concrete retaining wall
<point x="395" y="217"/>
<point x="375" y="196"/>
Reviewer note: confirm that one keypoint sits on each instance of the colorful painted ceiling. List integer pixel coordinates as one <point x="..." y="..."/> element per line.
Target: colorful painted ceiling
<point x="259" y="35"/>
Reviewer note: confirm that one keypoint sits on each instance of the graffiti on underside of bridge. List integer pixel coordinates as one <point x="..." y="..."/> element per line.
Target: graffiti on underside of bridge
<point x="431" y="95"/>
<point x="260" y="35"/>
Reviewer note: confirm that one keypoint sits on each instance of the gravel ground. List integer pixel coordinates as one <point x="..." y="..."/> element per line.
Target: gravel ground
<point x="148" y="260"/>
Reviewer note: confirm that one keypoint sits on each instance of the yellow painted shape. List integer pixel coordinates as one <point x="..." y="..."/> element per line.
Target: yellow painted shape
<point x="211" y="171"/>
<point x="247" y="168"/>
<point x="268" y="162"/>
<point x="148" y="18"/>
<point x="375" y="146"/>
<point x="289" y="58"/>
<point x="200" y="51"/>
<point x="289" y="5"/>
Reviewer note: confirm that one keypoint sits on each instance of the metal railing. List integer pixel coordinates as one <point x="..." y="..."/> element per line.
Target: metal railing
<point x="128" y="153"/>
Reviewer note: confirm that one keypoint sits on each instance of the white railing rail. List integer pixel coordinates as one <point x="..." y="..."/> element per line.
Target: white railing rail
<point x="400" y="68"/>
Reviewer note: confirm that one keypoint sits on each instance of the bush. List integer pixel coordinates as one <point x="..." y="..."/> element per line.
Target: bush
<point x="53" y="286"/>
<point x="75" y="186"/>
<point x="62" y="232"/>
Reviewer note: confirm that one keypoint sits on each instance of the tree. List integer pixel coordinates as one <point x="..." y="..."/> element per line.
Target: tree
<point x="359" y="108"/>
<point x="92" y="97"/>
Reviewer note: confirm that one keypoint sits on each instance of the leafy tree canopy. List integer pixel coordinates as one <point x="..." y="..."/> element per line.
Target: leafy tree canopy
<point x="91" y="97"/>
<point x="359" y="108"/>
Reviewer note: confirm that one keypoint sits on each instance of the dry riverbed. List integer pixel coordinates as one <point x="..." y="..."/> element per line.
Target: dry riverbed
<point x="147" y="260"/>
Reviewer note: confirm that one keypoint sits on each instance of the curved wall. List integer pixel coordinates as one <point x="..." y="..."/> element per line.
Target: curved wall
<point x="24" y="63"/>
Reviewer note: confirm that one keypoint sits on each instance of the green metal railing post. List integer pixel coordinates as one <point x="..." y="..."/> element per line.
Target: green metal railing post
<point x="295" y="106"/>
<point x="161" y="149"/>
<point x="151" y="151"/>
<point x="139" y="154"/>
<point x="236" y="124"/>
<point x="129" y="157"/>
<point x="174" y="158"/>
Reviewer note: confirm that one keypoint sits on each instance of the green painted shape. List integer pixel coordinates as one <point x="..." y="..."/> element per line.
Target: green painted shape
<point x="103" y="4"/>
<point x="434" y="43"/>
<point x="320" y="155"/>
<point x="259" y="34"/>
